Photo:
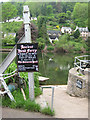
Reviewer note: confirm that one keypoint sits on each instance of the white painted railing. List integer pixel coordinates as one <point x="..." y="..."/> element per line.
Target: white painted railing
<point x="2" y="78"/>
<point x="82" y="62"/>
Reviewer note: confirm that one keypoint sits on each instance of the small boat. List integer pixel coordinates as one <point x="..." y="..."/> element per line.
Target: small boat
<point x="42" y="79"/>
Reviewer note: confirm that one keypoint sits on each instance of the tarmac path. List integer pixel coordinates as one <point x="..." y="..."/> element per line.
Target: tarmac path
<point x="18" y="113"/>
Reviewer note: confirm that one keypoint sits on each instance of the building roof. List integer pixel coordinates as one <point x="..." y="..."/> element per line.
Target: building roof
<point x="65" y="28"/>
<point x="82" y="29"/>
<point x="53" y="32"/>
<point x="53" y="36"/>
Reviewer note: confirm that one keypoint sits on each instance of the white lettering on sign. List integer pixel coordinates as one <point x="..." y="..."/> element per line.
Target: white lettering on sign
<point x="25" y="47"/>
<point x="79" y="84"/>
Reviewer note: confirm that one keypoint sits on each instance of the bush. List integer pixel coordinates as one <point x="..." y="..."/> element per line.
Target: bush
<point x="50" y="48"/>
<point x="10" y="69"/>
<point x="41" y="43"/>
<point x="8" y="40"/>
<point x="70" y="45"/>
<point x="53" y="23"/>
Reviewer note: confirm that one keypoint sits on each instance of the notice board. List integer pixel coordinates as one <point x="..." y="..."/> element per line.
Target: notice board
<point x="27" y="60"/>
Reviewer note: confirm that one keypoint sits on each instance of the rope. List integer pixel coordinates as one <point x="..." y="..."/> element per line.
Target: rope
<point x="10" y="76"/>
<point x="8" y="73"/>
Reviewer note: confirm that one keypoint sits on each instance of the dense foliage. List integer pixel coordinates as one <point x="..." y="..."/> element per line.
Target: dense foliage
<point x="11" y="27"/>
<point x="70" y="44"/>
<point x="77" y="11"/>
<point x="50" y="16"/>
<point x="80" y="14"/>
<point x="8" y="11"/>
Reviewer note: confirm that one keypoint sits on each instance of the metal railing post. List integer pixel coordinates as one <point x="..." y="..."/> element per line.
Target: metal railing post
<point x="52" y="99"/>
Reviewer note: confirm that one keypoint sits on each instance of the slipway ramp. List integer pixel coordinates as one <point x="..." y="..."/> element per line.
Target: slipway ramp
<point x="10" y="57"/>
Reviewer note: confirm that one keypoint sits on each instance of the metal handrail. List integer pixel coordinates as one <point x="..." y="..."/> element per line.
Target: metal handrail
<point x="78" y="62"/>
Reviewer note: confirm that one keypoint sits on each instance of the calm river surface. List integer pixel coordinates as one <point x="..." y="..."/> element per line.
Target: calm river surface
<point x="54" y="66"/>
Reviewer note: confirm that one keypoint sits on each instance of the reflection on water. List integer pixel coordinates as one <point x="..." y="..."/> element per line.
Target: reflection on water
<point x="54" y="66"/>
<point x="65" y="67"/>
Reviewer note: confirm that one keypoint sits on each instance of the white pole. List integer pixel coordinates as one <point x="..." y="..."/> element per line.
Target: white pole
<point x="26" y="17"/>
<point x="52" y="99"/>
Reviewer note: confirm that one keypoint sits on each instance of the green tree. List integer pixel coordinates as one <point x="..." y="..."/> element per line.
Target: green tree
<point x="44" y="10"/>
<point x="80" y="13"/>
<point x="41" y="43"/>
<point x="49" y="10"/>
<point x="67" y="6"/>
<point x="19" y="7"/>
<point x="8" y="11"/>
<point x="68" y="14"/>
<point x="62" y="17"/>
<point x="42" y="30"/>
<point x="76" y="34"/>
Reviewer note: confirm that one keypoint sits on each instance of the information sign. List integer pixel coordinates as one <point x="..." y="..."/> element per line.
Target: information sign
<point x="27" y="60"/>
<point x="79" y="84"/>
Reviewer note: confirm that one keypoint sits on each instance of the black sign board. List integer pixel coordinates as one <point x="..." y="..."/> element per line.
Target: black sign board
<point x="27" y="60"/>
<point x="79" y="84"/>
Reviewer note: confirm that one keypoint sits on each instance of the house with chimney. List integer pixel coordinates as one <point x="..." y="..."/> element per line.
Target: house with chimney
<point x="53" y="35"/>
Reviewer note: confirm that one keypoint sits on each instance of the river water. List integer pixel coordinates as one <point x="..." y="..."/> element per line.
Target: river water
<point x="54" y="66"/>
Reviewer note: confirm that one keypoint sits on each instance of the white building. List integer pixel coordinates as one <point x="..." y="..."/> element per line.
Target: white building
<point x="16" y="19"/>
<point x="83" y="32"/>
<point x="33" y="18"/>
<point x="66" y="30"/>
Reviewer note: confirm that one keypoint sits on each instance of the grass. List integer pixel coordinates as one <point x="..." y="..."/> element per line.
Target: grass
<point x="47" y="111"/>
<point x="20" y="102"/>
<point x="26" y="105"/>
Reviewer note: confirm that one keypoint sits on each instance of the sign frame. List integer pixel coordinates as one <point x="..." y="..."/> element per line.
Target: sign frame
<point x="25" y="64"/>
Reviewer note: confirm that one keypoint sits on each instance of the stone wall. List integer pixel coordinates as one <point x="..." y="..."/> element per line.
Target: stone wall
<point x="77" y="84"/>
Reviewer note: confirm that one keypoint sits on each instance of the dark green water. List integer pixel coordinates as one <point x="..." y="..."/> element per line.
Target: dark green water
<point x="57" y="68"/>
<point x="54" y="66"/>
